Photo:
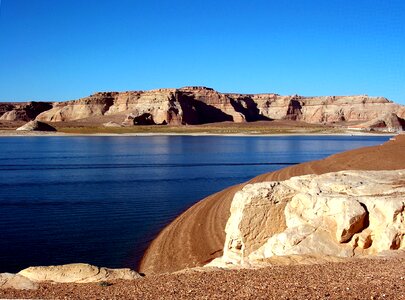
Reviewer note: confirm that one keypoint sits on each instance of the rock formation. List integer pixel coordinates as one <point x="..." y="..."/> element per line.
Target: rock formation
<point x="95" y="105"/>
<point x="15" y="281"/>
<point x="80" y="273"/>
<point x="199" y="105"/>
<point x="389" y="122"/>
<point x="111" y="124"/>
<point x="340" y="214"/>
<point x="71" y="273"/>
<point x="22" y="111"/>
<point x="36" y="126"/>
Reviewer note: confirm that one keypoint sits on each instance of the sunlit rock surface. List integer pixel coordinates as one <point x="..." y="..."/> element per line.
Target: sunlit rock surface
<point x="341" y="214"/>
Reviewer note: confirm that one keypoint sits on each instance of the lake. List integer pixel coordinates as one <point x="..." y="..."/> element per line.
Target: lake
<point x="101" y="200"/>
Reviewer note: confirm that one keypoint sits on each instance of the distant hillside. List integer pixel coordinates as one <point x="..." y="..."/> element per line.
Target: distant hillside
<point x="200" y="105"/>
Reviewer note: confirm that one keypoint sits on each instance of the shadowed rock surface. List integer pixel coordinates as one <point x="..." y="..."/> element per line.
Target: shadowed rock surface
<point x="22" y="111"/>
<point x="36" y="126"/>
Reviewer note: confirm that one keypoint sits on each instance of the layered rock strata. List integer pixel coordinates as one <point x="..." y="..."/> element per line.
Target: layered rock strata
<point x="36" y="126"/>
<point x="199" y="105"/>
<point x="70" y="273"/>
<point x="341" y="214"/>
<point x="389" y="122"/>
<point x="22" y="111"/>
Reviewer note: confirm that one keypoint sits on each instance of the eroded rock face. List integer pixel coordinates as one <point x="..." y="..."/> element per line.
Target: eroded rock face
<point x="199" y="105"/>
<point x="339" y="214"/>
<point x="36" y="126"/>
<point x="22" y="111"/>
<point x="79" y="273"/>
<point x="70" y="273"/>
<point x="389" y="122"/>
<point x="95" y="105"/>
<point x="15" y="281"/>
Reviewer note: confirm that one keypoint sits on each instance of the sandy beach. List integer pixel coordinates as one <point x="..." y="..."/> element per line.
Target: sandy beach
<point x="197" y="236"/>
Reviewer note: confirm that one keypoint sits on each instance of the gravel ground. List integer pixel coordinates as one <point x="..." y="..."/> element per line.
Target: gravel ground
<point x="355" y="279"/>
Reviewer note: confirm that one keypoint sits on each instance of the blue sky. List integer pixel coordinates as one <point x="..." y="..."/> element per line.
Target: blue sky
<point x="66" y="49"/>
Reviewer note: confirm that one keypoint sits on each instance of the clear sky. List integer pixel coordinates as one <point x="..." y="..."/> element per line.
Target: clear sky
<point x="66" y="49"/>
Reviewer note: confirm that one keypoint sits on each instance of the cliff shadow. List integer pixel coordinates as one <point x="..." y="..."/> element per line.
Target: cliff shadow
<point x="249" y="109"/>
<point x="294" y="110"/>
<point x="197" y="112"/>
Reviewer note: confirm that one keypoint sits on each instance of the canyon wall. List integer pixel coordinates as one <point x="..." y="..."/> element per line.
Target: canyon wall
<point x="22" y="111"/>
<point x="199" y="105"/>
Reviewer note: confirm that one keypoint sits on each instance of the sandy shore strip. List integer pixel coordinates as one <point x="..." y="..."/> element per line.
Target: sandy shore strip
<point x="197" y="236"/>
<point x="13" y="133"/>
<point x="354" y="279"/>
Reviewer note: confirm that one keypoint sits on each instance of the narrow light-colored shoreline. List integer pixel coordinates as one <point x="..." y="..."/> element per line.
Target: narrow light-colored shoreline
<point x="7" y="133"/>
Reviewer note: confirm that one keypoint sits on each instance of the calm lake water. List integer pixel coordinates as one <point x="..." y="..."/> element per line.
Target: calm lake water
<point x="101" y="200"/>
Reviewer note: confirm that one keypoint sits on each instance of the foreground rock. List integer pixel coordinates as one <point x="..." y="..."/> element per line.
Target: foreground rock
<point x="71" y="273"/>
<point x="15" y="281"/>
<point x="79" y="273"/>
<point x="36" y="126"/>
<point x="342" y="214"/>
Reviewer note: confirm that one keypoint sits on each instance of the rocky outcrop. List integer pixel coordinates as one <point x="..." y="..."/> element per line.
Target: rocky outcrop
<point x="112" y="124"/>
<point x="79" y="273"/>
<point x="199" y="105"/>
<point x="36" y="126"/>
<point x="70" y="273"/>
<point x="22" y="111"/>
<point x="95" y="105"/>
<point x="341" y="214"/>
<point x="389" y="122"/>
<point x="15" y="281"/>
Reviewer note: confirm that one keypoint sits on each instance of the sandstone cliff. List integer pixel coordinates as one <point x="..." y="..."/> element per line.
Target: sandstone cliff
<point x="199" y="105"/>
<point x="341" y="214"/>
<point x="389" y="122"/>
<point x="22" y="111"/>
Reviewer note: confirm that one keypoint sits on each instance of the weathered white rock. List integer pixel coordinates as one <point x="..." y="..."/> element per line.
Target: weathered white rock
<point x="388" y="122"/>
<point x="339" y="214"/>
<point x="15" y="281"/>
<point x="36" y="126"/>
<point x="79" y="273"/>
<point x="112" y="124"/>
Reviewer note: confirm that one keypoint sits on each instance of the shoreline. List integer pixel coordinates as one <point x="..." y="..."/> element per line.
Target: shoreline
<point x="7" y="133"/>
<point x="197" y="236"/>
